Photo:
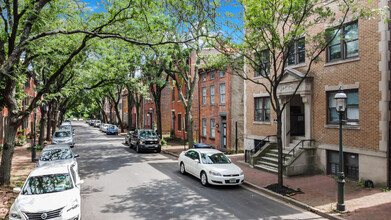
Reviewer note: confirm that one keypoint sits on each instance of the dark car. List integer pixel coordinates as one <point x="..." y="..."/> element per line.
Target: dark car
<point x="203" y="145"/>
<point x="145" y="140"/>
<point x="128" y="137"/>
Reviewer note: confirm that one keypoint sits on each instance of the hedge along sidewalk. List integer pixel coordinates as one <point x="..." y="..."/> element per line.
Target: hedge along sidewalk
<point x="21" y="168"/>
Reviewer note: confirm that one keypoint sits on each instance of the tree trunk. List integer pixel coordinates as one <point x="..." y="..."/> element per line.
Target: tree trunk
<point x="55" y="110"/>
<point x="158" y="115"/>
<point x="42" y="124"/>
<point x="118" y="117"/>
<point x="49" y="124"/>
<point x="8" y="149"/>
<point x="138" y="115"/>
<point x="189" y="127"/>
<point x="130" y="107"/>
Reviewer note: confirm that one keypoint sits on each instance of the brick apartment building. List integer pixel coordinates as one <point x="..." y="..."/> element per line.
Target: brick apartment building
<point x="217" y="109"/>
<point x="362" y="69"/>
<point x="178" y="111"/>
<point x="28" y="124"/>
<point x="221" y="109"/>
<point x="148" y="111"/>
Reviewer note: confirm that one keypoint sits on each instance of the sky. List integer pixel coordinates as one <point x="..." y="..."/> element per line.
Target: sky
<point x="226" y="6"/>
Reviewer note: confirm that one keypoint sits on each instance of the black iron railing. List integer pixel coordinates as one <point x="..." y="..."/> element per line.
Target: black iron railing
<point x="295" y="147"/>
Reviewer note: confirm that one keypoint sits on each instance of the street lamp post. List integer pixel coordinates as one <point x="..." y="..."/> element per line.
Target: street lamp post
<point x="340" y="99"/>
<point x="34" y="149"/>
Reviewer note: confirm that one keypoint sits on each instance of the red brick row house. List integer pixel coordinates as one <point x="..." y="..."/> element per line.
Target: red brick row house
<point x="28" y="125"/>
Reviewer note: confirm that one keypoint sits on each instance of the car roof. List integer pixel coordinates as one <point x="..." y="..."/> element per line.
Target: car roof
<point x="54" y="147"/>
<point x="206" y="150"/>
<point x="48" y="170"/>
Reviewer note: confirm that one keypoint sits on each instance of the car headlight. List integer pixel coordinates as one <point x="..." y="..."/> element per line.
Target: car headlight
<point x="241" y="172"/>
<point x="214" y="173"/>
<point x="74" y="205"/>
<point x="141" y="142"/>
<point x="14" y="212"/>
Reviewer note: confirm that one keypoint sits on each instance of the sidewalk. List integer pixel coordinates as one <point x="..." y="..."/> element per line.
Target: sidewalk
<point x="320" y="191"/>
<point x="21" y="168"/>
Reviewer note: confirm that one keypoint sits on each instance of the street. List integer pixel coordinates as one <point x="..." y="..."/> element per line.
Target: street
<point x="121" y="184"/>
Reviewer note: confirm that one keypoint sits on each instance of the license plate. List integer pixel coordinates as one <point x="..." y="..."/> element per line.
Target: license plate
<point x="232" y="180"/>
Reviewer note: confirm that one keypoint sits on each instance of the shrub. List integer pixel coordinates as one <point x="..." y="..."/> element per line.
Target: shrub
<point x="20" y="131"/>
<point x="164" y="142"/>
<point x="21" y="140"/>
<point x="38" y="148"/>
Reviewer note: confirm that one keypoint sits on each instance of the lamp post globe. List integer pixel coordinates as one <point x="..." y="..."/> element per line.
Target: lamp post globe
<point x="340" y="104"/>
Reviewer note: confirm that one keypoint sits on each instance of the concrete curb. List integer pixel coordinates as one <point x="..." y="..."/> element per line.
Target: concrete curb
<point x="292" y="201"/>
<point x="281" y="197"/>
<point x="170" y="153"/>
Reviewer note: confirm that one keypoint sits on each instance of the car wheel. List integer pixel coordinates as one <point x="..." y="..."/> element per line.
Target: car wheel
<point x="204" y="179"/>
<point x="182" y="168"/>
<point x="158" y="150"/>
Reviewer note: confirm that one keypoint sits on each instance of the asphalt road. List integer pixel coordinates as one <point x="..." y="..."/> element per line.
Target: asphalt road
<point x="121" y="184"/>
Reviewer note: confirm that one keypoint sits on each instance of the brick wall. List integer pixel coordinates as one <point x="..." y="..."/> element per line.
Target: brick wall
<point x="364" y="71"/>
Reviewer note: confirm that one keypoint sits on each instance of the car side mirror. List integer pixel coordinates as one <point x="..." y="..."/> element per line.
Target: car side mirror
<point x="16" y="190"/>
<point x="197" y="160"/>
<point x="80" y="182"/>
<point x="76" y="155"/>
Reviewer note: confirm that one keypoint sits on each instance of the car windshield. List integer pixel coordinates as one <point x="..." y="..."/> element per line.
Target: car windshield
<point x="65" y="127"/>
<point x="47" y="184"/>
<point x="112" y="127"/>
<point x="62" y="134"/>
<point x="147" y="134"/>
<point x="218" y="158"/>
<point x="56" y="154"/>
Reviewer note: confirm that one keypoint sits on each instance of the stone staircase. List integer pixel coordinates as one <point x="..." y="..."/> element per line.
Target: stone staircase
<point x="268" y="159"/>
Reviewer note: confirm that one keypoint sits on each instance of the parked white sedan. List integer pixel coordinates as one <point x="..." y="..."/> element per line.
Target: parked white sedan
<point x="210" y="166"/>
<point x="50" y="192"/>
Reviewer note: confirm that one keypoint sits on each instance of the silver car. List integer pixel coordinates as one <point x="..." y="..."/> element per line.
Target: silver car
<point x="97" y="123"/>
<point x="58" y="154"/>
<point x="104" y="127"/>
<point x="67" y="128"/>
<point x="63" y="137"/>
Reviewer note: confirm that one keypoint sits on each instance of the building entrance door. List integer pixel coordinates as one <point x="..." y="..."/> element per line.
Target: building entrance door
<point x="297" y="126"/>
<point x="223" y="139"/>
<point x="172" y="123"/>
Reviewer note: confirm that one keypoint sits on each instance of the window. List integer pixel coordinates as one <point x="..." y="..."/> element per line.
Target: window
<point x="203" y="127"/>
<point x="173" y="94"/>
<point x="345" y="43"/>
<point x="297" y="53"/>
<point x="262" y="109"/>
<point x="212" y="128"/>
<point x="222" y="94"/>
<point x="222" y="73"/>
<point x="352" y="111"/>
<point x="203" y="77"/>
<point x="263" y="67"/>
<point x="212" y="95"/>
<point x="203" y="96"/>
<point x="179" y="122"/>
<point x="212" y="75"/>
<point x="351" y="168"/>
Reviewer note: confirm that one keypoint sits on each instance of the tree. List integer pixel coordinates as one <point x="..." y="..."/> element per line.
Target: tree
<point x="271" y="30"/>
<point x="26" y="24"/>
